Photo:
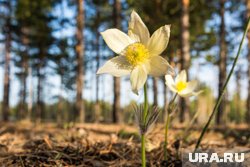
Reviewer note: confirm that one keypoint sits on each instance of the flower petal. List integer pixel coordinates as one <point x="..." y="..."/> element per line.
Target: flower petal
<point x="158" y="66"/>
<point x="197" y="93"/>
<point x="117" y="66"/>
<point x="191" y="94"/>
<point x="185" y="94"/>
<point x="181" y="77"/>
<point x="192" y="85"/>
<point x="137" y="29"/>
<point x="159" y="40"/>
<point x="189" y="90"/>
<point x="116" y="39"/>
<point x="170" y="83"/>
<point x="138" y="78"/>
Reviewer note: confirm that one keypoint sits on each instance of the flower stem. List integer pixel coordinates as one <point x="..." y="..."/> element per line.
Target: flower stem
<point x="145" y="103"/>
<point x="223" y="89"/>
<point x="166" y="137"/>
<point x="143" y="151"/>
<point x="169" y="111"/>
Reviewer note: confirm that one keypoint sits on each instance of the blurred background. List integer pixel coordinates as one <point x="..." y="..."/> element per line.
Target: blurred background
<point x="51" y="49"/>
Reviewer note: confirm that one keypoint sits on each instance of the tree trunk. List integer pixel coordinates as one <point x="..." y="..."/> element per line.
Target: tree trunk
<point x="97" y="103"/>
<point x="185" y="55"/>
<point x="248" y="71"/>
<point x="39" y="98"/>
<point x="238" y="95"/>
<point x="59" y="105"/>
<point x="97" y="43"/>
<point x="117" y="81"/>
<point x="30" y="104"/>
<point x="60" y="117"/>
<point x="6" y="91"/>
<point x="25" y="67"/>
<point x="116" y="104"/>
<point x="155" y="91"/>
<point x="222" y="63"/>
<point x="22" y="109"/>
<point x="80" y="60"/>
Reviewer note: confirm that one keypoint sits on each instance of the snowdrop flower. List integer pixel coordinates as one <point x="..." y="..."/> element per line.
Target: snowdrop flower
<point x="138" y="53"/>
<point x="181" y="86"/>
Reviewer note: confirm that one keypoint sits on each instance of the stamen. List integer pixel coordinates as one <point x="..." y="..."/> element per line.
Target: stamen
<point x="181" y="85"/>
<point x="136" y="54"/>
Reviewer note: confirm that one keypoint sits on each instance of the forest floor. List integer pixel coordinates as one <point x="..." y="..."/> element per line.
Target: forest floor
<point x="25" y="144"/>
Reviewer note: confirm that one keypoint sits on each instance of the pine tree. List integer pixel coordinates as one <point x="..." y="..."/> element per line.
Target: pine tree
<point x="7" y="32"/>
<point x="117" y="81"/>
<point x="222" y="61"/>
<point x="63" y="59"/>
<point x="22" y="58"/>
<point x="185" y="51"/>
<point x="97" y="44"/>
<point x="38" y="17"/>
<point x="80" y="59"/>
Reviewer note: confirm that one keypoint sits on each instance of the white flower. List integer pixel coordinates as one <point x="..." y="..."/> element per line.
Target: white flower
<point x="181" y="86"/>
<point x="138" y="52"/>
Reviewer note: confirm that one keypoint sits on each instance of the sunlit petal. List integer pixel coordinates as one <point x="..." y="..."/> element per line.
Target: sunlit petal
<point x="190" y="94"/>
<point x="158" y="66"/>
<point x="189" y="90"/>
<point x="138" y="78"/>
<point x="117" y="66"/>
<point x="137" y="29"/>
<point x="181" y="77"/>
<point x="170" y="83"/>
<point x="197" y="93"/>
<point x="159" y="40"/>
<point x="191" y="86"/>
<point x="187" y="94"/>
<point x="116" y="39"/>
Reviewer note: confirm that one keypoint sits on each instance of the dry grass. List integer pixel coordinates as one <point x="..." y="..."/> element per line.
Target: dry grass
<point x="24" y="144"/>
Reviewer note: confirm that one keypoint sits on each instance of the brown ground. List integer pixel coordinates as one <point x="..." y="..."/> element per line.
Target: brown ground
<point x="24" y="144"/>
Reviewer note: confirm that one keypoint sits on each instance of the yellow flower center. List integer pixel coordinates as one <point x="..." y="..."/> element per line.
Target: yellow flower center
<point x="181" y="85"/>
<point x="136" y="54"/>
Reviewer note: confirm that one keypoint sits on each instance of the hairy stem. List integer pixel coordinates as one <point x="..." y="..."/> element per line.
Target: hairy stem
<point x="145" y="110"/>
<point x="166" y="137"/>
<point x="169" y="111"/>
<point x="143" y="151"/>
<point x="145" y="103"/>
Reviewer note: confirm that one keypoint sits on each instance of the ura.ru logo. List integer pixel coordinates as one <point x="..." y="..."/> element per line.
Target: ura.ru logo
<point x="214" y="157"/>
